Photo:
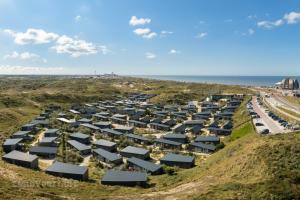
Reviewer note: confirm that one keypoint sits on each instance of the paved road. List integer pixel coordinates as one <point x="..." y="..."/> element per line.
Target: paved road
<point x="272" y="125"/>
<point x="274" y="103"/>
<point x="287" y="104"/>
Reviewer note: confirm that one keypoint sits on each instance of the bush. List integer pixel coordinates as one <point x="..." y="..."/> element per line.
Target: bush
<point x="169" y="170"/>
<point x="220" y="146"/>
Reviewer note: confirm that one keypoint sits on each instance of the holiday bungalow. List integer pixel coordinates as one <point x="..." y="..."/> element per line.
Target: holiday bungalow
<point x="67" y="170"/>
<point x="21" y="159"/>
<point x="144" y="166"/>
<point x="124" y="178"/>
<point x="105" y="144"/>
<point x="107" y="157"/>
<point x="131" y="151"/>
<point x="178" y="160"/>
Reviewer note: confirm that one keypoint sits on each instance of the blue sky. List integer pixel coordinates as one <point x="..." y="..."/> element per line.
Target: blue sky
<point x="157" y="37"/>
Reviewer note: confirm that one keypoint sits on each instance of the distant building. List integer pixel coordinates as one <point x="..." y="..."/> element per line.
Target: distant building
<point x="288" y="84"/>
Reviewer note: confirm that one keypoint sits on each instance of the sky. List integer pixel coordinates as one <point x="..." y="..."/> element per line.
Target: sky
<point x="150" y="37"/>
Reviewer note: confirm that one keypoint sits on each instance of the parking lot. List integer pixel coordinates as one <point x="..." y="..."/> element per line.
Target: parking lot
<point x="266" y="120"/>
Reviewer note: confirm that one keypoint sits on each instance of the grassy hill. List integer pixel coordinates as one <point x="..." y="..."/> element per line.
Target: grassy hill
<point x="249" y="167"/>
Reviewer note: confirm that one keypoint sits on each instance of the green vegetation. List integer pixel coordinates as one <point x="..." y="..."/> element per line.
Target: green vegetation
<point x="248" y="167"/>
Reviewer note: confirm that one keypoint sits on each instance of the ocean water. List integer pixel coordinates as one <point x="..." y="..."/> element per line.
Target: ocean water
<point x="227" y="80"/>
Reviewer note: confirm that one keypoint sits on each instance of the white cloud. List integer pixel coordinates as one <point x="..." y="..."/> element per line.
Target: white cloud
<point x="174" y="51"/>
<point x="74" y="47"/>
<point x="292" y="17"/>
<point x="142" y="31"/>
<point x="78" y="18"/>
<point x="24" y="56"/>
<point x="202" y="35"/>
<point x="150" y="55"/>
<point x="134" y="21"/>
<point x="165" y="33"/>
<point x="145" y="33"/>
<point x="270" y="24"/>
<point x="8" y="69"/>
<point x="32" y="36"/>
<point x="289" y="18"/>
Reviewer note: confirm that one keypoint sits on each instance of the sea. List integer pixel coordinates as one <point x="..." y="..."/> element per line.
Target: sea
<point x="266" y="81"/>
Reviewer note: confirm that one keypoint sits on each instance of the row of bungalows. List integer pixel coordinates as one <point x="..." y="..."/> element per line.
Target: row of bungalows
<point x="223" y="115"/>
<point x="69" y="122"/>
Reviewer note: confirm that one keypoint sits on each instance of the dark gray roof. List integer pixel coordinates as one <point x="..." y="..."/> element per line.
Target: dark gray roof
<point x="108" y="130"/>
<point x="136" y="122"/>
<point x="104" y="143"/>
<point x="18" y="155"/>
<point x="161" y="125"/>
<point x="173" y="135"/>
<point x="204" y="146"/>
<point x="79" y="135"/>
<point x="177" y="158"/>
<point x="102" y="123"/>
<point x="107" y="155"/>
<point x="66" y="168"/>
<point x="90" y="126"/>
<point x="194" y="122"/>
<point x="149" y="166"/>
<point x="48" y="139"/>
<point x="21" y="133"/>
<point x="12" y="141"/>
<point x="79" y="146"/>
<point x="54" y="130"/>
<point x="169" y="142"/>
<point x="139" y="137"/>
<point x="84" y="120"/>
<point x="219" y="129"/>
<point x="210" y="138"/>
<point x="135" y="150"/>
<point x="42" y="149"/>
<point x="124" y="176"/>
